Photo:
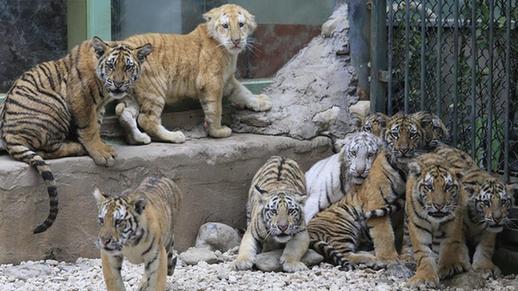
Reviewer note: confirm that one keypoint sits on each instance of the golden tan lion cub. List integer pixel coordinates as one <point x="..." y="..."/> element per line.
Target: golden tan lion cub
<point x="199" y="65"/>
<point x="138" y="224"/>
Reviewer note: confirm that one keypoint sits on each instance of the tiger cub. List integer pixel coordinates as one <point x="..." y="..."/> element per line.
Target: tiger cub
<point x="435" y="203"/>
<point x="331" y="178"/>
<point x="275" y="215"/>
<point x="138" y="224"/>
<point x="487" y="207"/>
<point x="435" y="132"/>
<point x="375" y="123"/>
<point x="337" y="232"/>
<point x="57" y="100"/>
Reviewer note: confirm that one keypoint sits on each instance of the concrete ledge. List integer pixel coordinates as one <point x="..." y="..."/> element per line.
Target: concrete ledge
<point x="213" y="173"/>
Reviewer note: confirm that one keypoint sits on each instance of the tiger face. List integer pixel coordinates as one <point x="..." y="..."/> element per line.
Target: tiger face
<point x="119" y="65"/>
<point x="282" y="215"/>
<point x="491" y="203"/>
<point x="375" y="123"/>
<point x="437" y="189"/>
<point x="403" y="136"/>
<point x="358" y="153"/>
<point x="118" y="219"/>
<point x="230" y="25"/>
<point x="434" y="129"/>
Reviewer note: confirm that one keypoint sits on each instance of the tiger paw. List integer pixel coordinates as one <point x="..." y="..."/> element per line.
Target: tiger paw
<point x="103" y="155"/>
<point x="242" y="264"/>
<point x="292" y="267"/>
<point x="260" y="102"/>
<point x="424" y="280"/>
<point x="449" y="270"/>
<point x="175" y="137"/>
<point x="220" y="132"/>
<point x="139" y="138"/>
<point x="487" y="268"/>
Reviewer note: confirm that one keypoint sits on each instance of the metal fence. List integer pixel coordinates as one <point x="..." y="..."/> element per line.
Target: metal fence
<point x="458" y="59"/>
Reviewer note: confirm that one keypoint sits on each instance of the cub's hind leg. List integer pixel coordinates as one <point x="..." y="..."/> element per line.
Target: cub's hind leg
<point x="64" y="149"/>
<point x="171" y="260"/>
<point x="112" y="272"/>
<point x="149" y="119"/>
<point x="127" y="112"/>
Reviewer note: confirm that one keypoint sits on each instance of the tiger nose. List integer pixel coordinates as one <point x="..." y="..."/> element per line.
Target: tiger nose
<point x="497" y="219"/>
<point x="282" y="227"/>
<point x="118" y="84"/>
<point x="438" y="206"/>
<point x="105" y="240"/>
<point x="236" y="41"/>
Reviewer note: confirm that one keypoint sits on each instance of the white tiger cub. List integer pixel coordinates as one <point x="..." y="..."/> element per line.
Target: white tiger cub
<point x="274" y="215"/>
<point x="331" y="178"/>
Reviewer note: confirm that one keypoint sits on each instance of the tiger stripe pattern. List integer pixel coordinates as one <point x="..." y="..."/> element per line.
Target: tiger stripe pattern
<point x="435" y="202"/>
<point x="139" y="224"/>
<point x="434" y="130"/>
<point x="275" y="217"/>
<point x="338" y="231"/>
<point x="331" y="178"/>
<point x="61" y="100"/>
<point x="487" y="207"/>
<point x="375" y="123"/>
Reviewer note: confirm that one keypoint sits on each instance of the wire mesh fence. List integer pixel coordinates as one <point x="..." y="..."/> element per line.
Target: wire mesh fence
<point x="458" y="59"/>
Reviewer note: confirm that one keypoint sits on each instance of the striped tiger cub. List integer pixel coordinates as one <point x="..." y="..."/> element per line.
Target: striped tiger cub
<point x="138" y="224"/>
<point x="487" y="207"/>
<point x="275" y="215"/>
<point x="337" y="232"/>
<point x="375" y="123"/>
<point x="331" y="178"/>
<point x="435" y="202"/>
<point x="57" y="100"/>
<point x="435" y="132"/>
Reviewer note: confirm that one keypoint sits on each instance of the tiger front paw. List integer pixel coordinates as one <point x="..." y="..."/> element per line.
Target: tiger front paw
<point x="219" y="132"/>
<point x="261" y="102"/>
<point x="447" y="271"/>
<point x="292" y="266"/>
<point x="103" y="154"/>
<point x="243" y="263"/>
<point x="424" y="280"/>
<point x="175" y="137"/>
<point x="487" y="268"/>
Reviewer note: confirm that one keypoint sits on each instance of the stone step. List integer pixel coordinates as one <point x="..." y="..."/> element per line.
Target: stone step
<point x="214" y="175"/>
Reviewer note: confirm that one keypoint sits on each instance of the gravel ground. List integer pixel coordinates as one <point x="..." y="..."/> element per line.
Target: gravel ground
<point x="86" y="274"/>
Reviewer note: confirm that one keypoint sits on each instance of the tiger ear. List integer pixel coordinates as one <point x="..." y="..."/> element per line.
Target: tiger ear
<point x="144" y="51"/>
<point x="211" y="14"/>
<point x="140" y="205"/>
<point x="250" y="20"/>
<point x="261" y="191"/>
<point x="99" y="46"/>
<point x="99" y="196"/>
<point x="471" y="189"/>
<point x="414" y="168"/>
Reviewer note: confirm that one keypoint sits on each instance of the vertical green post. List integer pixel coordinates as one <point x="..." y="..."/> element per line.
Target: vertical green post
<point x="378" y="52"/>
<point x="98" y="13"/>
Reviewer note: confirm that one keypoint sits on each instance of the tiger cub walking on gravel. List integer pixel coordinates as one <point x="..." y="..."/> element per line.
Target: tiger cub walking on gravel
<point x="275" y="215"/>
<point x="138" y="224"/>
<point x="435" y="202"/>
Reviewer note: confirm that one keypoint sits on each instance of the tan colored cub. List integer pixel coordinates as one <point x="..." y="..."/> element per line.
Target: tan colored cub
<point x="200" y="65"/>
<point x="138" y="224"/>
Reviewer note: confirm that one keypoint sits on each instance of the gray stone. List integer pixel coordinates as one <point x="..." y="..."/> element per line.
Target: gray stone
<point x="311" y="93"/>
<point x="193" y="256"/>
<point x="269" y="261"/>
<point x="217" y="236"/>
<point x="466" y="281"/>
<point x="214" y="175"/>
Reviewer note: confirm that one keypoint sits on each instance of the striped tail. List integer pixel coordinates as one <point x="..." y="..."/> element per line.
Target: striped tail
<point x="386" y="210"/>
<point x="331" y="254"/>
<point x="24" y="154"/>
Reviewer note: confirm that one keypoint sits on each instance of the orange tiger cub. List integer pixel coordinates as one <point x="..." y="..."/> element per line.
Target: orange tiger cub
<point x="138" y="224"/>
<point x="60" y="99"/>
<point x="200" y="65"/>
<point x="435" y="202"/>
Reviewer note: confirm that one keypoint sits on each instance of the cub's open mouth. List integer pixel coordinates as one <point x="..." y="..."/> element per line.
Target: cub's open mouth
<point x="438" y="214"/>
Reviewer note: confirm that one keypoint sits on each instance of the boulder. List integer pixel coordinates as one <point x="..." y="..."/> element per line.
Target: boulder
<point x="193" y="256"/>
<point x="217" y="236"/>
